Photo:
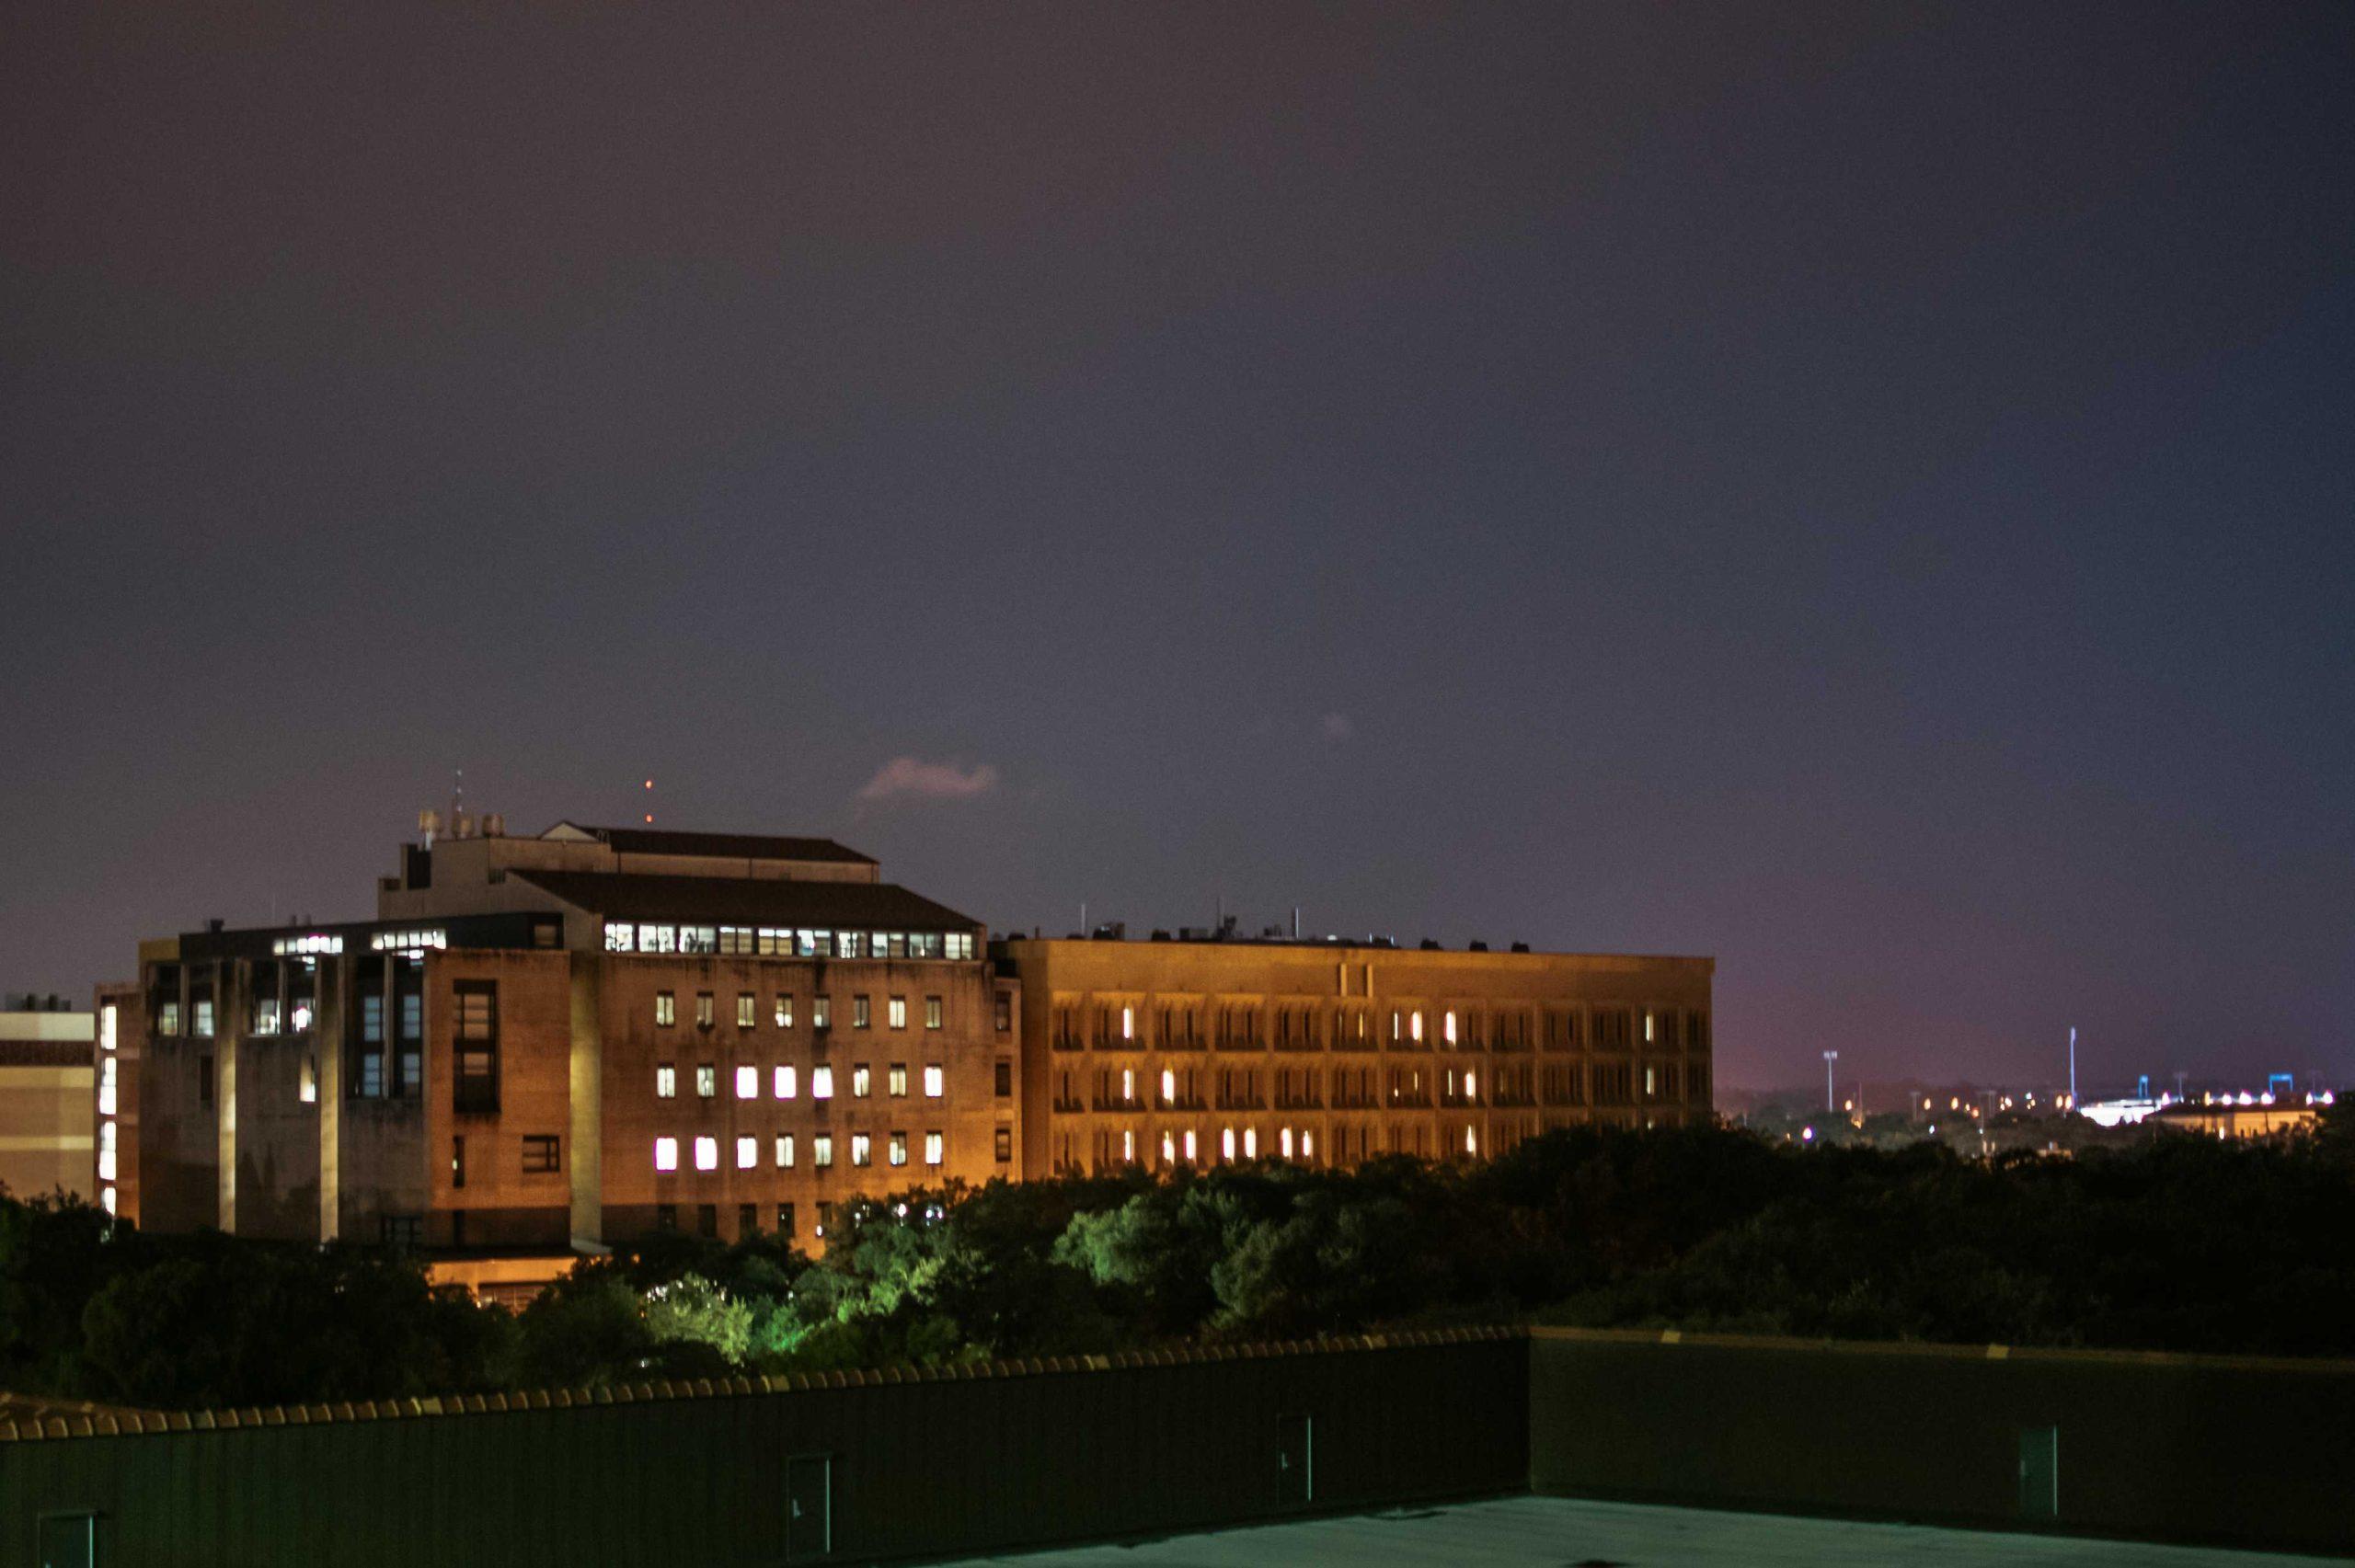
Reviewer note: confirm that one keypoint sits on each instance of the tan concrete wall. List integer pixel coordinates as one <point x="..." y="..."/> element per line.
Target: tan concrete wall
<point x="46" y="1137"/>
<point x="1525" y="1055"/>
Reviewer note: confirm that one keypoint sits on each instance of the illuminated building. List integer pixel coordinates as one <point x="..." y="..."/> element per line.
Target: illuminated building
<point x="1207" y="1048"/>
<point x="545" y="1046"/>
<point x="48" y="1073"/>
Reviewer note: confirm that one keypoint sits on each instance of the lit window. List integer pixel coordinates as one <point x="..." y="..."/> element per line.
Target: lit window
<point x="745" y="1002"/>
<point x="748" y="1153"/>
<point x="861" y="1149"/>
<point x="1251" y="1143"/>
<point x="1127" y="1084"/>
<point x="105" y="1150"/>
<point x="707" y="1080"/>
<point x="1226" y="1144"/>
<point x="618" y="936"/>
<point x="1168" y="1149"/>
<point x="666" y="1009"/>
<point x="106" y="1085"/>
<point x="703" y="1010"/>
<point x="932" y="1012"/>
<point x="1471" y="1085"/>
<point x="1308" y="1146"/>
<point x="821" y="1012"/>
<point x="859" y="1081"/>
<point x="898" y="1013"/>
<point x="1415" y="1024"/>
<point x="821" y="1083"/>
<point x="1190" y="1145"/>
<point x="1129" y="1145"/>
<point x="785" y="1013"/>
<point x="666" y="1081"/>
<point x="666" y="1153"/>
<point x="306" y="1086"/>
<point x="1283" y="1142"/>
<point x="1168" y="1085"/>
<point x="203" y="1021"/>
<point x="859" y="1015"/>
<point x="784" y="1085"/>
<point x="935" y="1081"/>
<point x="1471" y="1141"/>
<point x="108" y="1027"/>
<point x="785" y="1151"/>
<point x="1447" y="1025"/>
<point x="897" y="1147"/>
<point x="747" y="1083"/>
<point x="898" y="1079"/>
<point x="1393" y="1023"/>
<point x="106" y="1200"/>
<point x="935" y="1147"/>
<point x="706" y="1154"/>
<point x="822" y="1150"/>
<point x="1128" y="1023"/>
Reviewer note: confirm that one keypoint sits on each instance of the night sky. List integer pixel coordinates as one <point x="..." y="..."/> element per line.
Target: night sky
<point x="1860" y="491"/>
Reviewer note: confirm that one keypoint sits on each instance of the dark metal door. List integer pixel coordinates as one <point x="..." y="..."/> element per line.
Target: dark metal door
<point x="2040" y="1474"/>
<point x="68" y="1541"/>
<point x="1296" y="1459"/>
<point x="809" y="1508"/>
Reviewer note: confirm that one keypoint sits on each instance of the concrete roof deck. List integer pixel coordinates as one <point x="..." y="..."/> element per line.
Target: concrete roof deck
<point x="1560" y="1532"/>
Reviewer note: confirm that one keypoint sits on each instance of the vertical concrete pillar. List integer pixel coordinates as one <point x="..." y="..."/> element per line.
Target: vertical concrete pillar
<point x="333" y="1003"/>
<point x="586" y="1159"/>
<point x="225" y="1000"/>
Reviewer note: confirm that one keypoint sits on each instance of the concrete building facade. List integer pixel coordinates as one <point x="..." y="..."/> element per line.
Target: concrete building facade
<point x="1194" y="1051"/>
<point x="543" y="1046"/>
<point x="49" y="1085"/>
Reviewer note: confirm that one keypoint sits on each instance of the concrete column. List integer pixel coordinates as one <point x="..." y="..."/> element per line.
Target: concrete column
<point x="585" y="1159"/>
<point x="332" y="1002"/>
<point x="226" y="996"/>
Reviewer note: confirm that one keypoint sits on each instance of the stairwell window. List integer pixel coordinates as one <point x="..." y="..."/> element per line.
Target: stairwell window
<point x="475" y="1067"/>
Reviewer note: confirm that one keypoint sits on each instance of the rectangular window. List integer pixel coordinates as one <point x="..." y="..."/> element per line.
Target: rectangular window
<point x="708" y="1220"/>
<point x="703" y="1010"/>
<point x="783" y="1152"/>
<point x="898" y="1080"/>
<point x="1004" y="1012"/>
<point x="784" y="1085"/>
<point x="748" y="1220"/>
<point x="822" y="1150"/>
<point x="666" y="1217"/>
<point x="707" y="1080"/>
<point x="1003" y="1145"/>
<point x="858" y="1081"/>
<point x="264" y="1016"/>
<point x="475" y="1070"/>
<point x="168" y="1018"/>
<point x="203" y="1024"/>
<point x="458" y="1161"/>
<point x="666" y="1081"/>
<point x="785" y="1013"/>
<point x="748" y="1082"/>
<point x="936" y="1081"/>
<point x="745" y="1016"/>
<point x="666" y="1153"/>
<point x="542" y="1155"/>
<point x="897" y="1148"/>
<point x="748" y="1153"/>
<point x="861" y="1149"/>
<point x="932" y="1012"/>
<point x="822" y="1083"/>
<point x="936" y="1147"/>
<point x="666" y="1009"/>
<point x="858" y="1012"/>
<point x="706" y="1154"/>
<point x="821" y="1012"/>
<point x="898" y="1012"/>
<point x="785" y="1220"/>
<point x="1005" y="1079"/>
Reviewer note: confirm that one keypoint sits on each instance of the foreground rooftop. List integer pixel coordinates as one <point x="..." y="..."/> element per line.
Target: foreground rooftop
<point x="1559" y="1532"/>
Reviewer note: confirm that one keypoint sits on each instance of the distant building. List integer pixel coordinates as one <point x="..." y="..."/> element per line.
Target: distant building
<point x="2249" y="1117"/>
<point x="1193" y="1051"/>
<point x="543" y="1046"/>
<point x="46" y="1079"/>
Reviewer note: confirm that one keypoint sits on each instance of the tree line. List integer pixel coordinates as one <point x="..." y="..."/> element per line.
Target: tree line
<point x="2176" y="1243"/>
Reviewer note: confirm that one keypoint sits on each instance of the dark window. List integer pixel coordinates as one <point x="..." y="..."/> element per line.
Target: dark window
<point x="400" y="1231"/>
<point x="543" y="1153"/>
<point x="476" y="1063"/>
<point x="409" y="1078"/>
<point x="825" y="1217"/>
<point x="1005" y="1144"/>
<point x="458" y="1161"/>
<point x="860" y="1015"/>
<point x="1004" y="1012"/>
<point x="546" y="934"/>
<point x="708" y="1220"/>
<point x="748" y="1220"/>
<point x="785" y="1220"/>
<point x="204" y="1079"/>
<point x="1004" y="1080"/>
<point x="703" y="1010"/>
<point x="666" y="1217"/>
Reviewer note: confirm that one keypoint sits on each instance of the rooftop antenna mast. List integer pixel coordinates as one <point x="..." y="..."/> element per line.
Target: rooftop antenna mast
<point x="2073" y="1067"/>
<point x="649" y="803"/>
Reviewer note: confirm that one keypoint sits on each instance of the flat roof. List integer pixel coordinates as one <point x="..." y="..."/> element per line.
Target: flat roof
<point x="735" y="901"/>
<point x="1553" y="1532"/>
<point x="1356" y="946"/>
<point x="722" y="846"/>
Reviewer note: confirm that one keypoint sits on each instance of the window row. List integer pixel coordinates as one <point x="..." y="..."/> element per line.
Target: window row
<point x="783" y="1151"/>
<point x="780" y="942"/>
<point x="1077" y="1026"/>
<point x="785" y="1081"/>
<point x="782" y="1009"/>
<point x="1506" y="1083"/>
